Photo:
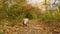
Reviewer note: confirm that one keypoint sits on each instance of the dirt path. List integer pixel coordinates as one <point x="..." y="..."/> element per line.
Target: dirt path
<point x="33" y="27"/>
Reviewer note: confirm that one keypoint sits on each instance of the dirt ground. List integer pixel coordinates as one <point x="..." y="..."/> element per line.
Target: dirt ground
<point x="33" y="27"/>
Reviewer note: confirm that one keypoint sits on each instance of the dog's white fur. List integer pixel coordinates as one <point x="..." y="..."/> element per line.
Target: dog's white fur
<point x="25" y="20"/>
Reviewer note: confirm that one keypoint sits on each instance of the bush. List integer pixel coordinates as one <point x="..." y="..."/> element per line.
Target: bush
<point x="32" y="15"/>
<point x="52" y="15"/>
<point x="46" y="16"/>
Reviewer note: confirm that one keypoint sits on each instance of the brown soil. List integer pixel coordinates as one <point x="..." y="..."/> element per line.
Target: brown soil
<point x="33" y="27"/>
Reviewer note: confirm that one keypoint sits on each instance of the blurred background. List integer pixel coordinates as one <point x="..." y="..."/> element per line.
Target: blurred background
<point x="13" y="11"/>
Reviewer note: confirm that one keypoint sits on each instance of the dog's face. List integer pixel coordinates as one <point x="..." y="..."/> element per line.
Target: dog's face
<point x="25" y="20"/>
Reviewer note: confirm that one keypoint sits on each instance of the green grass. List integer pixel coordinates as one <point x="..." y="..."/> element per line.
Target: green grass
<point x="18" y="13"/>
<point x="52" y="15"/>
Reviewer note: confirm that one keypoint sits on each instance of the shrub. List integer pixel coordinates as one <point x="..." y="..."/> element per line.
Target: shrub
<point x="32" y="15"/>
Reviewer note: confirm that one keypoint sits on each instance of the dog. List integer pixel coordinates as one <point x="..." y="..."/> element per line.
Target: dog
<point x="25" y="21"/>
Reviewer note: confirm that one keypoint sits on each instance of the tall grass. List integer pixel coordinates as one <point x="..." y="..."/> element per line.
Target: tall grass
<point x="51" y="15"/>
<point x="17" y="13"/>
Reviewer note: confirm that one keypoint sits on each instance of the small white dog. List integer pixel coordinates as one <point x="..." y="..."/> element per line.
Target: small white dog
<point x="25" y="21"/>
